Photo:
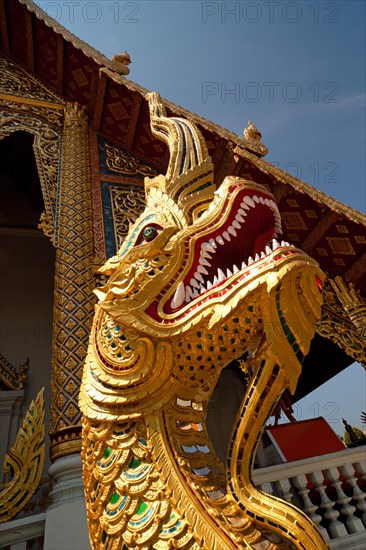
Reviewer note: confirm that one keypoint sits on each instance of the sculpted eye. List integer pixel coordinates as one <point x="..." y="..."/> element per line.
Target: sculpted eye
<point x="150" y="233"/>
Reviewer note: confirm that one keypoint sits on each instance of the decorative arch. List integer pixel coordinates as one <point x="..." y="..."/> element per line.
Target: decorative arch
<point x="26" y="105"/>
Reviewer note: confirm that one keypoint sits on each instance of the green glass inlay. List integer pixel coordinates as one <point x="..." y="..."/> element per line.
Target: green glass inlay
<point x="247" y="320"/>
<point x="250" y="308"/>
<point x="199" y="333"/>
<point x="107" y="452"/>
<point x="135" y="462"/>
<point x="114" y="498"/>
<point x="142" y="508"/>
<point x="104" y="536"/>
<point x="235" y="320"/>
<point x="291" y="338"/>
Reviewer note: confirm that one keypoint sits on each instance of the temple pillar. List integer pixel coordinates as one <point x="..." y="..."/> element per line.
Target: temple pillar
<point x="73" y="297"/>
<point x="73" y="311"/>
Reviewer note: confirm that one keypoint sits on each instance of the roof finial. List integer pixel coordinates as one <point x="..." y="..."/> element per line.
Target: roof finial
<point x="120" y="63"/>
<point x="253" y="138"/>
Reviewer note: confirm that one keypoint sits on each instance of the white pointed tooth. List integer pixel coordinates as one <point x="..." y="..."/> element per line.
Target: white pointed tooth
<point x="256" y="199"/>
<point x="278" y="229"/>
<point x="179" y="296"/>
<point x="244" y="206"/>
<point x="236" y="224"/>
<point x="228" y="273"/>
<point x="202" y="289"/>
<point x="194" y="283"/>
<point x="209" y="285"/>
<point x="267" y="202"/>
<point x="202" y="269"/>
<point x="203" y="261"/>
<point x="263" y="254"/>
<point x="226" y="236"/>
<point x="275" y="244"/>
<point x="250" y="260"/>
<point x="256" y="257"/>
<point x="213" y="243"/>
<point x="199" y="277"/>
<point x="220" y="240"/>
<point x="232" y="231"/>
<point x="261" y="200"/>
<point x="207" y="247"/>
<point x="268" y="249"/>
<point x="243" y="265"/>
<point x="249" y="201"/>
<point x="239" y="218"/>
<point x="215" y="280"/>
<point x="195" y="293"/>
<point x="235" y="269"/>
<point x="220" y="275"/>
<point x="242" y="212"/>
<point x="188" y="295"/>
<point x="283" y="243"/>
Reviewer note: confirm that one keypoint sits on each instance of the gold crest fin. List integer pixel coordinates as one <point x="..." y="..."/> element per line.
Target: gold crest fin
<point x="189" y="177"/>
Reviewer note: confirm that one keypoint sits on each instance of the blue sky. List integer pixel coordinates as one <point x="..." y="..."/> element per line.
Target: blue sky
<point x="294" y="68"/>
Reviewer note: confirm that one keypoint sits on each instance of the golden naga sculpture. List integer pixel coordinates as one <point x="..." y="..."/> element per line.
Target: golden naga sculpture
<point x="200" y="280"/>
<point x="23" y="464"/>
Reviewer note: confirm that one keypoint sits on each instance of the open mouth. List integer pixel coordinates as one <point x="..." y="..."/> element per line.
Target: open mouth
<point x="248" y="235"/>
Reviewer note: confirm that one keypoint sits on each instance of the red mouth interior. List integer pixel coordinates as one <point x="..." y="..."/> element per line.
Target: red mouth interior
<point x="251" y="239"/>
<point x="254" y="228"/>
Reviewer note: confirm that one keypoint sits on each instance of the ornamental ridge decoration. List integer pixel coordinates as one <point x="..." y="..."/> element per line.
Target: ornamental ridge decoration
<point x="9" y="377"/>
<point x="199" y="280"/>
<point x="23" y="464"/>
<point x="344" y="318"/>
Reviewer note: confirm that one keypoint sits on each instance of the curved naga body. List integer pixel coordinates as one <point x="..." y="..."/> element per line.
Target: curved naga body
<point x="199" y="281"/>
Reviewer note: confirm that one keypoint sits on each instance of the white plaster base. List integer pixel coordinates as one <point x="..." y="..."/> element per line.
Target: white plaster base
<point x="66" y="527"/>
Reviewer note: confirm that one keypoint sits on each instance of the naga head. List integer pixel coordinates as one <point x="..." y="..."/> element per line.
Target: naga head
<point x="195" y="252"/>
<point x="207" y="263"/>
